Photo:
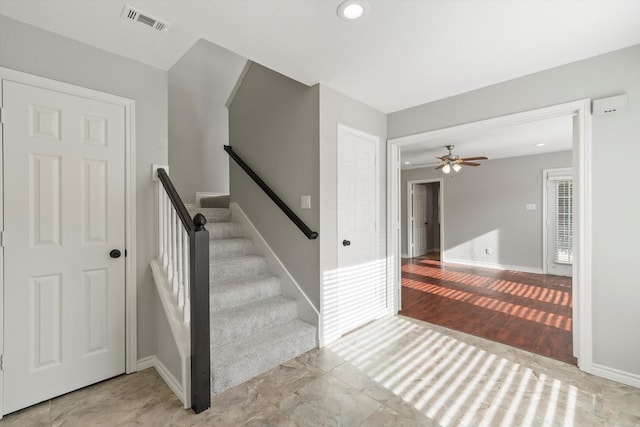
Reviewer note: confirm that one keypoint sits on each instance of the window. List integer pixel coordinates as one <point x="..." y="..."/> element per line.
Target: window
<point x="564" y="222"/>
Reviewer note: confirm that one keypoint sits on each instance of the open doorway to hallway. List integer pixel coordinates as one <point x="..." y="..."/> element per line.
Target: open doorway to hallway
<point x="424" y="219"/>
<point x="501" y="273"/>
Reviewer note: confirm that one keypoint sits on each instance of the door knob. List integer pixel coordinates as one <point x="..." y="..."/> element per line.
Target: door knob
<point x="346" y="242"/>
<point x="115" y="253"/>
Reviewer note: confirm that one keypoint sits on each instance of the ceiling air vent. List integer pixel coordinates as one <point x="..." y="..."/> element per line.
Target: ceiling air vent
<point x="132" y="14"/>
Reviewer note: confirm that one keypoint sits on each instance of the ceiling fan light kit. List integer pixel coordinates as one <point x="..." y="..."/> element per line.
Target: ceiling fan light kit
<point x="453" y="161"/>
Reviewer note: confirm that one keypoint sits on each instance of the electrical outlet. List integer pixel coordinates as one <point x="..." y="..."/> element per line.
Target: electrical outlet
<point x="487" y="251"/>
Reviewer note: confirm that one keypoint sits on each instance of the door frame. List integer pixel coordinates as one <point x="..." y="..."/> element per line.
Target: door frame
<point x="410" y="185"/>
<point x="131" y="339"/>
<point x="545" y="216"/>
<point x="580" y="110"/>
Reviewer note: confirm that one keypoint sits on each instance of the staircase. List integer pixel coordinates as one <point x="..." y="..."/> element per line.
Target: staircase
<point x="253" y="327"/>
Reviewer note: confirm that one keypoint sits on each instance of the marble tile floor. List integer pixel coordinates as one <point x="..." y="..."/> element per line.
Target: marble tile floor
<point x="392" y="372"/>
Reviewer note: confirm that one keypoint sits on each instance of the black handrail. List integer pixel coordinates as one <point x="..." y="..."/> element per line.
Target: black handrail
<point x="199" y="297"/>
<point x="176" y="201"/>
<point x="272" y="195"/>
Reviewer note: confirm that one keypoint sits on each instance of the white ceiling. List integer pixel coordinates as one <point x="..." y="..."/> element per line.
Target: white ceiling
<point x="509" y="141"/>
<point x="403" y="53"/>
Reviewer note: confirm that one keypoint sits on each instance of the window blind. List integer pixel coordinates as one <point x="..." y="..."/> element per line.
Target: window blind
<point x="564" y="222"/>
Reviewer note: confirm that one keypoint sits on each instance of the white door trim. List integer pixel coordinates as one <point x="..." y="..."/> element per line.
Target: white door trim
<point x="582" y="154"/>
<point x="130" y="204"/>
<point x="410" y="185"/>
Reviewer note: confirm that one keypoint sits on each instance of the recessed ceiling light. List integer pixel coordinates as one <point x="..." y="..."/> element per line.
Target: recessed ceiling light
<point x="351" y="10"/>
<point x="540" y="144"/>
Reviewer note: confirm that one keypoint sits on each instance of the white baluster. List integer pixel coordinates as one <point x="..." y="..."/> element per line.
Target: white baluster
<point x="160" y="221"/>
<point x="187" y="275"/>
<point x="179" y="266"/>
<point x="165" y="231"/>
<point x="174" y="253"/>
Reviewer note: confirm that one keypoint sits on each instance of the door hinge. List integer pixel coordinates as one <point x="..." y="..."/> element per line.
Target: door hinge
<point x="2" y="239"/>
<point x="0" y="114"/>
<point x="2" y="362"/>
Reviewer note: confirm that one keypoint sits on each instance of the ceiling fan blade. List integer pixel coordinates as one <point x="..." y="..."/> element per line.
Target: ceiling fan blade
<point x="441" y="166"/>
<point x="442" y="158"/>
<point x="469" y="163"/>
<point x="475" y="158"/>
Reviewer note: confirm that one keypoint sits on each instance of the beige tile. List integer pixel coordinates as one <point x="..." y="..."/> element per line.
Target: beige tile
<point x="321" y="358"/>
<point x="33" y="416"/>
<point x="621" y="404"/>
<point x="327" y="401"/>
<point x="387" y="417"/>
<point x="279" y="382"/>
<point x="362" y="382"/>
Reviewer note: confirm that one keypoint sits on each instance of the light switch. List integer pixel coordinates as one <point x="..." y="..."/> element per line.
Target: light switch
<point x="305" y="202"/>
<point x="530" y="206"/>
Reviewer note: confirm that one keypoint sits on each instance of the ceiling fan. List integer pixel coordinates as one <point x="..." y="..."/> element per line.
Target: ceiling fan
<point x="453" y="161"/>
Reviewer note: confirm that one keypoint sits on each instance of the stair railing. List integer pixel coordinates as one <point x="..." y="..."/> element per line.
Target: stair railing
<point x="183" y="248"/>
<point x="272" y="195"/>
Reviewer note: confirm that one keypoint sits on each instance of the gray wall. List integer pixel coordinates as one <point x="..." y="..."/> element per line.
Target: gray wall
<point x="199" y="86"/>
<point x="484" y="207"/>
<point x="273" y="126"/>
<point x="615" y="198"/>
<point x="35" y="51"/>
<point x="337" y="108"/>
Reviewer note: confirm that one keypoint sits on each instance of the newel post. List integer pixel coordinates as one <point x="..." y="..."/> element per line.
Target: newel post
<point x="200" y="327"/>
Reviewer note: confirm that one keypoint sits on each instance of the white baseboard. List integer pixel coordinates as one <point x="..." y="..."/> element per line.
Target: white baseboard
<point x="404" y="256"/>
<point x="494" y="266"/>
<point x="616" y="375"/>
<point x="165" y="374"/>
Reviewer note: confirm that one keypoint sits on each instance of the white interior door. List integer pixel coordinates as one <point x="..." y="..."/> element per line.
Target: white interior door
<point x="361" y="275"/>
<point x="559" y="258"/>
<point x="420" y="219"/>
<point x="64" y="299"/>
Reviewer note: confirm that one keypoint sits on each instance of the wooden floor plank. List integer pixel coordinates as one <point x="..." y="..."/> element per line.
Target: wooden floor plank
<point x="525" y="310"/>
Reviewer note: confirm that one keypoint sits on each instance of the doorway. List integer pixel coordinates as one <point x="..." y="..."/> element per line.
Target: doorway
<point x="581" y="286"/>
<point x="68" y="312"/>
<point x="425" y="216"/>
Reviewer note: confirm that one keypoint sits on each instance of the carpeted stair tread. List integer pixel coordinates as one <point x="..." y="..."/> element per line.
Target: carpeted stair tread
<point x="228" y="248"/>
<point x="232" y="293"/>
<point x="239" y="322"/>
<point x="212" y="214"/>
<point x="224" y="230"/>
<point x="241" y="360"/>
<point x="223" y="269"/>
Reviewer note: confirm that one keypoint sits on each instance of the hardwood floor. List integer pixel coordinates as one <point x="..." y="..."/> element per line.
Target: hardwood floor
<point x="525" y="310"/>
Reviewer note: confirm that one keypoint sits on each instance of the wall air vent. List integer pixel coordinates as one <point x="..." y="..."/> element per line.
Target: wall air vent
<point x="132" y="14"/>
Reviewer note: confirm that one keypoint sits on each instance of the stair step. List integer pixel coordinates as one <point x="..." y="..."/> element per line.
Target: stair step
<point x="244" y="359"/>
<point x="224" y="230"/>
<point x="227" y="248"/>
<point x="212" y="214"/>
<point x="242" y="321"/>
<point x="224" y="269"/>
<point x="225" y="295"/>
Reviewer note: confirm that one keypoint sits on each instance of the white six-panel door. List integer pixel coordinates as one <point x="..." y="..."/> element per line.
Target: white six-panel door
<point x="64" y="207"/>
<point x="361" y="273"/>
